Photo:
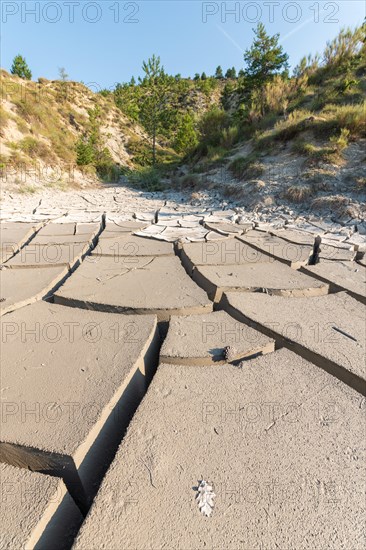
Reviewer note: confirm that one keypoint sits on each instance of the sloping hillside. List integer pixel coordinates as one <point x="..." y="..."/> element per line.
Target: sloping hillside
<point x="296" y="141"/>
<point x="41" y="123"/>
<point x="260" y="139"/>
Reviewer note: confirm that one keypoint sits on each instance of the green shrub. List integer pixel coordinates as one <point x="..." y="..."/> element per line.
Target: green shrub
<point x="323" y="154"/>
<point x="108" y="171"/>
<point x="229" y="136"/>
<point x="345" y="46"/>
<point x="21" y="124"/>
<point x="29" y="145"/>
<point x="207" y="85"/>
<point x="91" y="151"/>
<point x="350" y="117"/>
<point x="147" y="179"/>
<point x="338" y="117"/>
<point x="31" y="110"/>
<point x="289" y="128"/>
<point x="105" y="166"/>
<point x="212" y="125"/>
<point x="331" y="154"/>
<point x="341" y="142"/>
<point x="4" y="116"/>
<point x="17" y="159"/>
<point x="237" y="167"/>
<point x="35" y="148"/>
<point x="84" y="152"/>
<point x="284" y="130"/>
<point x="186" y="137"/>
<point x="26" y="189"/>
<point x="316" y="154"/>
<point x="254" y="170"/>
<point x="190" y="181"/>
<point x="215" y="153"/>
<point x="301" y="147"/>
<point x="140" y="151"/>
<point x="246" y="167"/>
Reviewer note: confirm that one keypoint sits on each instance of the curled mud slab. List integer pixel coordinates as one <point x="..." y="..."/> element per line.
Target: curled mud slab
<point x="59" y="415"/>
<point x="273" y="278"/>
<point x="131" y="245"/>
<point x="28" y="502"/>
<point x="211" y="338"/>
<point x="13" y="236"/>
<point x="134" y="284"/>
<point x="294" y="255"/>
<point x="348" y="276"/>
<point x="20" y="287"/>
<point x="225" y="252"/>
<point x="327" y="330"/>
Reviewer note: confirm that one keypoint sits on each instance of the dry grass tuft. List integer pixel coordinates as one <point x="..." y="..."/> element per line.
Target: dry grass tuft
<point x="298" y="193"/>
<point x="246" y="168"/>
<point x="36" y="149"/>
<point x="337" y="205"/>
<point x="360" y="183"/>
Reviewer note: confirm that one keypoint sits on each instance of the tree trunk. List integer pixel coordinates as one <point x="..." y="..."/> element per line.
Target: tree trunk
<point x="154" y="141"/>
<point x="154" y="148"/>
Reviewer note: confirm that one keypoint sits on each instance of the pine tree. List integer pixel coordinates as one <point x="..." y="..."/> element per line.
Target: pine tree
<point x="265" y="58"/>
<point x="203" y="76"/>
<point x="219" y="74"/>
<point x="20" y="68"/>
<point x="231" y="73"/>
<point x="154" y="110"/>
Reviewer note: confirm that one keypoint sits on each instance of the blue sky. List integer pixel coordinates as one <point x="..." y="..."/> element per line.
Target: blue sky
<point x="104" y="42"/>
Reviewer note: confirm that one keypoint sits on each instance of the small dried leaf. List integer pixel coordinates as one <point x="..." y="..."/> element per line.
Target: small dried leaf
<point x="205" y="498"/>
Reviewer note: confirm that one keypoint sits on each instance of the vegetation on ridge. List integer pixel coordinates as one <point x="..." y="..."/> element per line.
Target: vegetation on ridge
<point x="166" y="120"/>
